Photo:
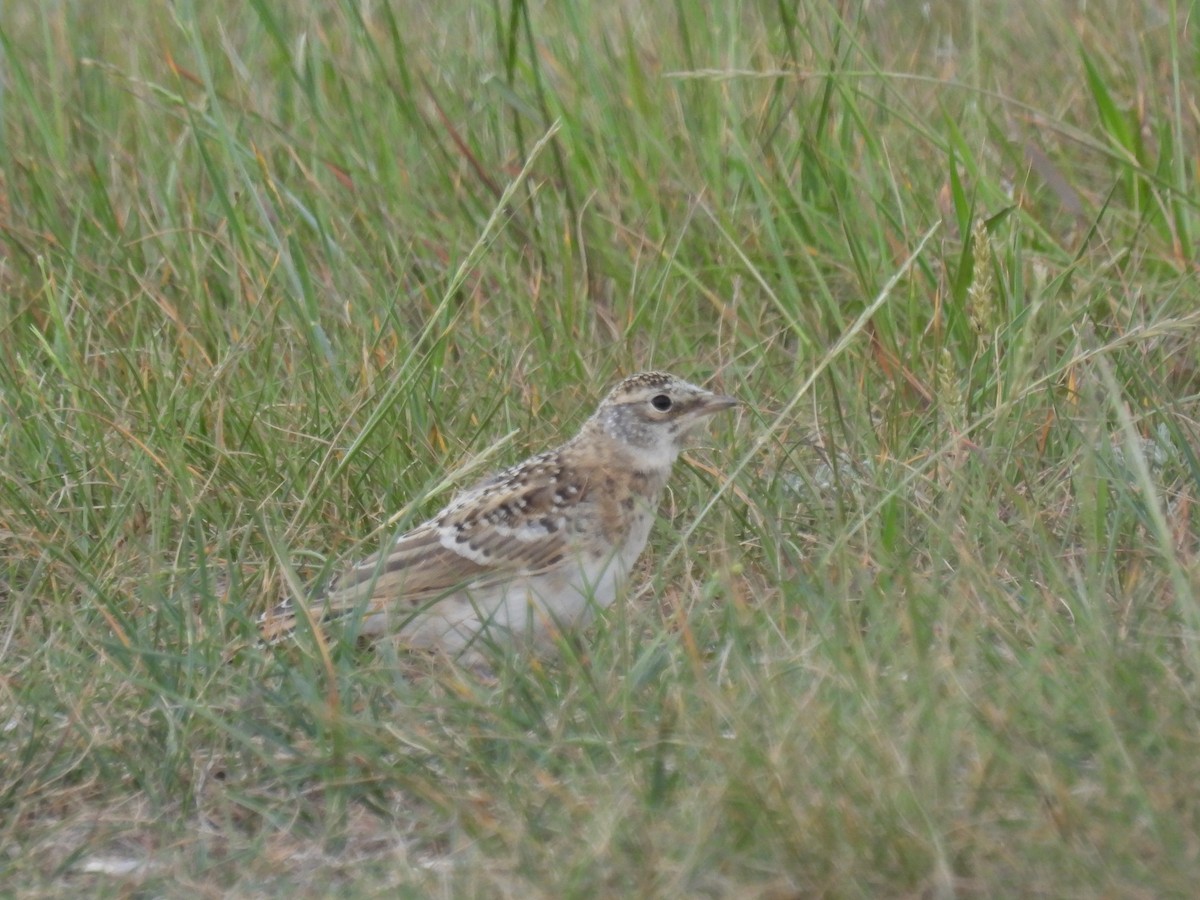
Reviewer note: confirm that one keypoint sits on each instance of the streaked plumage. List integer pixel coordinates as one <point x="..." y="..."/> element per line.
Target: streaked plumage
<point x="535" y="547"/>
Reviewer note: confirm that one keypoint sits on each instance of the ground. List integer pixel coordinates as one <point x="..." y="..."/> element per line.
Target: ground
<point x="920" y="620"/>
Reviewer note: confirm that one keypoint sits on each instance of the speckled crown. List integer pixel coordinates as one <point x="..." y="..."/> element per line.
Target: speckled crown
<point x="645" y="381"/>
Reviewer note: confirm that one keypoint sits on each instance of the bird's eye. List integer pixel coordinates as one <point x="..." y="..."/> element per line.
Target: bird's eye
<point x="661" y="402"/>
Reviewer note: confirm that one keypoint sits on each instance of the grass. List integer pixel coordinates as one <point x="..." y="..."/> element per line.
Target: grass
<point x="921" y="621"/>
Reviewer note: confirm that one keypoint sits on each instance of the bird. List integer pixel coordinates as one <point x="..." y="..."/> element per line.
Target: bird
<point x="532" y="550"/>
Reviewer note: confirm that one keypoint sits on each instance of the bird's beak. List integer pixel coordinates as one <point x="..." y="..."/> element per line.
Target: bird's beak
<point x="717" y="402"/>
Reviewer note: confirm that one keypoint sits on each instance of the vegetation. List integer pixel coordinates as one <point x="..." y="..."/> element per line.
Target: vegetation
<point x="921" y="620"/>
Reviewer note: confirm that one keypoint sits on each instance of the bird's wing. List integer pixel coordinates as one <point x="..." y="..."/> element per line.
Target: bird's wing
<point x="525" y="521"/>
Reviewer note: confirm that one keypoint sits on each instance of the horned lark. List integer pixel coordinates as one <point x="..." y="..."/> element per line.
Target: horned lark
<point x="535" y="548"/>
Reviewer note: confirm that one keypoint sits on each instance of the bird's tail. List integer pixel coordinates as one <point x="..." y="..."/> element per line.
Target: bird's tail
<point x="278" y="622"/>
